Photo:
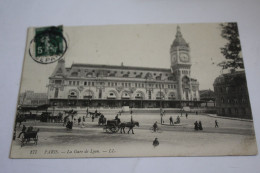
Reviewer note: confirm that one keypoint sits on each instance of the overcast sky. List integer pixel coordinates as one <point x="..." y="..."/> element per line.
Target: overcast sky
<point x="134" y="45"/>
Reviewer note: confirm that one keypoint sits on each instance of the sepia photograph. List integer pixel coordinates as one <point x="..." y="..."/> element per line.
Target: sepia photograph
<point x="137" y="90"/>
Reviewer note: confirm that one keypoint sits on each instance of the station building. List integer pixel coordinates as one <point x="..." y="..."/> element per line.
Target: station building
<point x="93" y="85"/>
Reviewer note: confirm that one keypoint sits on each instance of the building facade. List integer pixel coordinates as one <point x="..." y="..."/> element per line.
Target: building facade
<point x="33" y="99"/>
<point x="116" y="86"/>
<point x="231" y="94"/>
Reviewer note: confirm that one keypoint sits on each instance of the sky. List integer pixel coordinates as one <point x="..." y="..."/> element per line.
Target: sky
<point x="134" y="45"/>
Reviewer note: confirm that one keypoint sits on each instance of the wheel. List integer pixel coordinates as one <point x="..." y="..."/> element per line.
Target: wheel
<point x="114" y="129"/>
<point x="105" y="129"/>
<point x="158" y="130"/>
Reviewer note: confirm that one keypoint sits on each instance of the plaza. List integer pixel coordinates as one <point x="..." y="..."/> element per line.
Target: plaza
<point x="233" y="137"/>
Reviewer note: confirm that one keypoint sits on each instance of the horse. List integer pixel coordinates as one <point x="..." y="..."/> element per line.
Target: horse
<point x="130" y="125"/>
<point x="70" y="113"/>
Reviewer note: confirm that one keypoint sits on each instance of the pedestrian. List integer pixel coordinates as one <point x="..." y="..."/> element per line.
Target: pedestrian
<point x="216" y="123"/>
<point x="155" y="142"/>
<point x="196" y="125"/>
<point x="171" y="121"/>
<point x="200" y="125"/>
<point x="155" y="126"/>
<point x="186" y="115"/>
<point x="178" y="120"/>
<point x="79" y="120"/>
<point x="93" y="117"/>
<point x="23" y="131"/>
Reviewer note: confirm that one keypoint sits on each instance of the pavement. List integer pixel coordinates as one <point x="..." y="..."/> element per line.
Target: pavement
<point x="233" y="137"/>
<point x="231" y="118"/>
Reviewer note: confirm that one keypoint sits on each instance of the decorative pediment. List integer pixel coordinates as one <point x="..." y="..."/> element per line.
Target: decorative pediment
<point x="80" y="88"/>
<point x="132" y="90"/>
<point x="119" y="89"/>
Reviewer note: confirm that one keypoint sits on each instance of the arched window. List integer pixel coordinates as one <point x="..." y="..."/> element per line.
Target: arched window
<point x="160" y="95"/>
<point x="171" y="96"/>
<point x="88" y="94"/>
<point x="73" y="94"/>
<point x="112" y="94"/>
<point x="125" y="95"/>
<point x="139" y="95"/>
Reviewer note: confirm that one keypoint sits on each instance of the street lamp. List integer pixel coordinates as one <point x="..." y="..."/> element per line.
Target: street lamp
<point x="161" y="104"/>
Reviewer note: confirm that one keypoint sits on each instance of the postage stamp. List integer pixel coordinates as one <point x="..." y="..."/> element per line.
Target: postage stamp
<point x="48" y="44"/>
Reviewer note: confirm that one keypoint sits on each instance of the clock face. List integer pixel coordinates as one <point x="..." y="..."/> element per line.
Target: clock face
<point x="184" y="57"/>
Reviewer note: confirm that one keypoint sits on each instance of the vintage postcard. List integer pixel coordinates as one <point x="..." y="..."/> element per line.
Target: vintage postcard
<point x="133" y="91"/>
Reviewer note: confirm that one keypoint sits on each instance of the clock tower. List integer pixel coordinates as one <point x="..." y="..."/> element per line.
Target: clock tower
<point x="180" y="65"/>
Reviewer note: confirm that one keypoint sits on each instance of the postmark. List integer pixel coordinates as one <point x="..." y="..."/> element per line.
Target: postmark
<point x="48" y="45"/>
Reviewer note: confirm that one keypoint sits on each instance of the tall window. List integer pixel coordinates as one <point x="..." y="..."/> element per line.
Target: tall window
<point x="149" y="95"/>
<point x="100" y="93"/>
<point x="56" y="93"/>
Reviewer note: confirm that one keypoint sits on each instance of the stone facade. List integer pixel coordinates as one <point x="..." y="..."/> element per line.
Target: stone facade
<point x="32" y="98"/>
<point x="231" y="94"/>
<point x="115" y="86"/>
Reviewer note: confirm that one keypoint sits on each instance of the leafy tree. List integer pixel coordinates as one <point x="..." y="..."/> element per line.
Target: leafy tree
<point x="232" y="50"/>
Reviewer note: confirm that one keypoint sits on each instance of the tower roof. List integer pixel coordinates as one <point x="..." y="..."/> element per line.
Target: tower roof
<point x="179" y="41"/>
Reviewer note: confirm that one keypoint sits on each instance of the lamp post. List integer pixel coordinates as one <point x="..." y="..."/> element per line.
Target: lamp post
<point x="161" y="105"/>
<point x="54" y="104"/>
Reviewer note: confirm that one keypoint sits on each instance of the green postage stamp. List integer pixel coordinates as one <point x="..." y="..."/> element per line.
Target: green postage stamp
<point x="48" y="45"/>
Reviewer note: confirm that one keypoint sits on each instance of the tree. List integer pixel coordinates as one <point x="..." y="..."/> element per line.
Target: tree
<point x="232" y="50"/>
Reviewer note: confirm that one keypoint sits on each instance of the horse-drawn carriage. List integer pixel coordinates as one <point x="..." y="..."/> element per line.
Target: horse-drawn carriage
<point x="29" y="136"/>
<point x="112" y="126"/>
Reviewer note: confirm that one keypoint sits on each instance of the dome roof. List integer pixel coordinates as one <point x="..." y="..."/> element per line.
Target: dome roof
<point x="179" y="41"/>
